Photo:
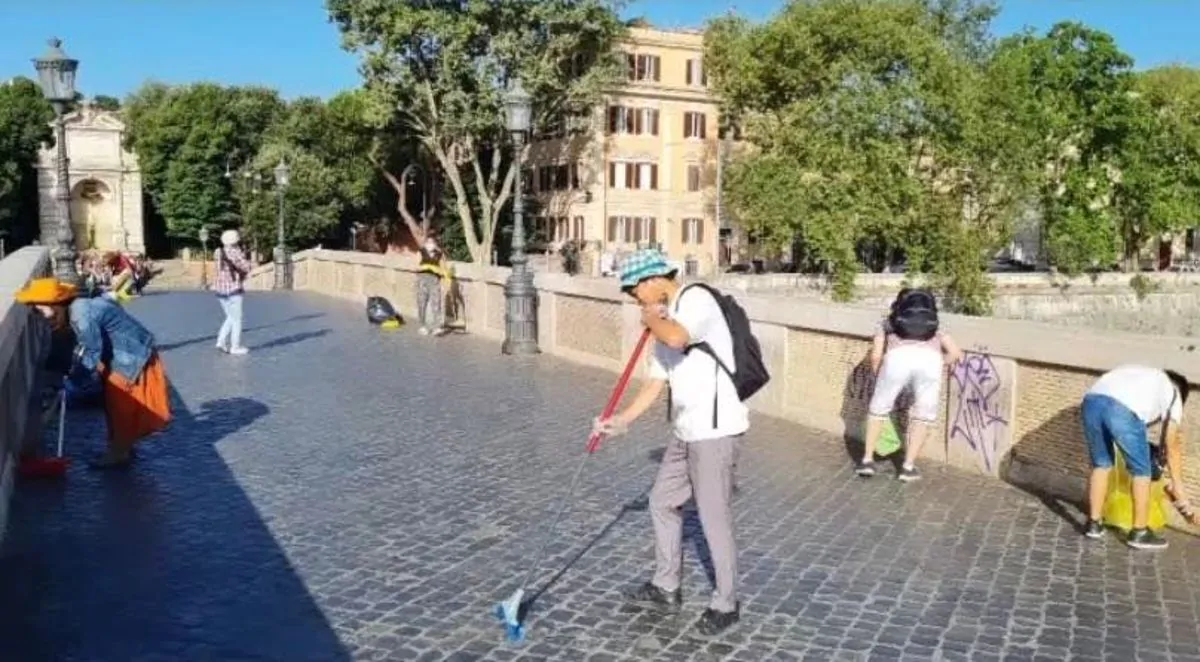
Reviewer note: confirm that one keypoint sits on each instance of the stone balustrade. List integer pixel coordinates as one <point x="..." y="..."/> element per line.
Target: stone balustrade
<point x="1010" y="410"/>
<point x="23" y="345"/>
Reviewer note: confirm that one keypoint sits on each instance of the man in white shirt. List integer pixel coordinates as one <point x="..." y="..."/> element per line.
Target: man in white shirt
<point x="1115" y="414"/>
<point x="708" y="417"/>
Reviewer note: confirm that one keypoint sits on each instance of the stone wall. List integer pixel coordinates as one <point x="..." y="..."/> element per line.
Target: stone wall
<point x="1009" y="411"/>
<point x="23" y="343"/>
<point x="1172" y="307"/>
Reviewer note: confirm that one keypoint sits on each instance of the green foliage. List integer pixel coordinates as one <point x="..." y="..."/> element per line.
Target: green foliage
<point x="105" y="102"/>
<point x="25" y="118"/>
<point x="437" y="69"/>
<point x="872" y="124"/>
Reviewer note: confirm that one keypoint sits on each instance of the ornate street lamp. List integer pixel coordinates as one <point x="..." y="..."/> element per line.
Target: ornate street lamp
<point x="56" y="73"/>
<point x="283" y="176"/>
<point x="520" y="318"/>
<point x="204" y="258"/>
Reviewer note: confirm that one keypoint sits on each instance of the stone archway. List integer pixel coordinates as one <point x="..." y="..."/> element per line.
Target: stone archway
<point x="93" y="214"/>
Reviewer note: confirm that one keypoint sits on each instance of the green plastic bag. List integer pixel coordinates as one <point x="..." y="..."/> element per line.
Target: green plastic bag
<point x="889" y="440"/>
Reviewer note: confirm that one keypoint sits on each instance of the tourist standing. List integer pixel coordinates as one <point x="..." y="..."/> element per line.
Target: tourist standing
<point x="708" y="420"/>
<point x="430" y="270"/>
<point x="232" y="269"/>
<point x="1115" y="413"/>
<point x="907" y="353"/>
<point x="109" y="341"/>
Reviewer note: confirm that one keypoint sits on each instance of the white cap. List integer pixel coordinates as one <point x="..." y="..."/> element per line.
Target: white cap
<point x="229" y="237"/>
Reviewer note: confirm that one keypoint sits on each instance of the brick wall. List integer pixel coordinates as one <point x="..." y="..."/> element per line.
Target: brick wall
<point x="1010" y="410"/>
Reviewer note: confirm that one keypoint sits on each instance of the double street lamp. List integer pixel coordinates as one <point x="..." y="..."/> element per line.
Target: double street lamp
<point x="283" y="271"/>
<point x="520" y="317"/>
<point x="56" y="73"/>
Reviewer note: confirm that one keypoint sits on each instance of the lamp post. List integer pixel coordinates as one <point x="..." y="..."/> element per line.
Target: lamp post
<point x="204" y="258"/>
<point x="282" y="269"/>
<point x="56" y="73"/>
<point x="354" y="237"/>
<point x="520" y="318"/>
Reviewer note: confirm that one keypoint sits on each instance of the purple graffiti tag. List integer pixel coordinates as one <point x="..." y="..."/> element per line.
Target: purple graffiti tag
<point x="977" y="418"/>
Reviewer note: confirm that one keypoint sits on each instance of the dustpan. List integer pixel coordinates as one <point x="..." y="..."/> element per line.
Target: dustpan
<point x="49" y="467"/>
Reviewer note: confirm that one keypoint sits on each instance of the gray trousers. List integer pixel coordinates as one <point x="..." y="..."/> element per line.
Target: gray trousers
<point x="429" y="300"/>
<point x="702" y="470"/>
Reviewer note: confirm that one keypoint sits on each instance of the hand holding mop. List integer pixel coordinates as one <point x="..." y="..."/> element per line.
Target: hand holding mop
<point x="510" y="611"/>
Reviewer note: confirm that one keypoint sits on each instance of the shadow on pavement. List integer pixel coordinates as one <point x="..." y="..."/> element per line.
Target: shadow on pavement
<point x="168" y="559"/>
<point x="291" y="340"/>
<point x="212" y="338"/>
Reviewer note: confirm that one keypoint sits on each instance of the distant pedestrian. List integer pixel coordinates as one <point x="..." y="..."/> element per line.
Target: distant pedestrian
<point x="709" y="418"/>
<point x="907" y="354"/>
<point x="431" y="268"/>
<point x="232" y="269"/>
<point x="110" y="342"/>
<point x="1115" y="413"/>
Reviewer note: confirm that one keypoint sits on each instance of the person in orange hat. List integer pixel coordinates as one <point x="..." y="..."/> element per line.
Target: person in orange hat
<point x="113" y="343"/>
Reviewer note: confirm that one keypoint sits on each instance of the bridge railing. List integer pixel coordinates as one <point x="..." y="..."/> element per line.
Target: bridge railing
<point x="1010" y="410"/>
<point x="24" y="342"/>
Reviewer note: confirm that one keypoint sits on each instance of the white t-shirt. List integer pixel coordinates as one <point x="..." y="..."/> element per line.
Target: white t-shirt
<point x="695" y="376"/>
<point x="1147" y="392"/>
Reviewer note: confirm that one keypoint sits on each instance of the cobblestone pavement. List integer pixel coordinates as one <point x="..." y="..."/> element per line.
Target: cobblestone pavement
<point x="349" y="494"/>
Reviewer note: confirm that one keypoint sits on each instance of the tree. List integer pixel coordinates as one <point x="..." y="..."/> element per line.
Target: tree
<point x="871" y="129"/>
<point x="105" y="102"/>
<point x="187" y="138"/>
<point x="1077" y="86"/>
<point x="25" y="125"/>
<point x="437" y="69"/>
<point x="1158" y="188"/>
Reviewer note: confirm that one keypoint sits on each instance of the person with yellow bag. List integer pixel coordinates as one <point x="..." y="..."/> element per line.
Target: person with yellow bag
<point x="1115" y="413"/>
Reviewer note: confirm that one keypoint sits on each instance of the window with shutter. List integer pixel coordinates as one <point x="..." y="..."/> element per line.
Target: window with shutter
<point x="653" y="177"/>
<point x="575" y="177"/>
<point x="693" y="178"/>
<point x="637" y="230"/>
<point x="654" y="122"/>
<point x="577" y="230"/>
<point x="699" y="231"/>
<point x="631" y="175"/>
<point x="612" y="118"/>
<point x="612" y="229"/>
<point x="638" y="123"/>
<point x="690" y="64"/>
<point x="612" y="174"/>
<point x="652" y="231"/>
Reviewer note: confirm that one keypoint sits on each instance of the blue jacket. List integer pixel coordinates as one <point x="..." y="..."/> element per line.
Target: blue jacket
<point x="106" y="333"/>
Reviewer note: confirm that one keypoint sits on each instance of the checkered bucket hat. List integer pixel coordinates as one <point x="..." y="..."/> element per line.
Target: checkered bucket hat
<point x="643" y="264"/>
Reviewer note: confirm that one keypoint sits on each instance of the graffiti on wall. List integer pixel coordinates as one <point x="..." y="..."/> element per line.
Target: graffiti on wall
<point x="976" y="417"/>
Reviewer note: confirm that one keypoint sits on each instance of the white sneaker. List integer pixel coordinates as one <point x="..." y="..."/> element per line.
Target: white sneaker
<point x="222" y="348"/>
<point x="238" y="351"/>
<point x="423" y="331"/>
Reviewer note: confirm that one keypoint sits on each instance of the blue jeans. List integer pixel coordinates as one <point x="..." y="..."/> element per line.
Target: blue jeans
<point x="1108" y="424"/>
<point x="230" y="334"/>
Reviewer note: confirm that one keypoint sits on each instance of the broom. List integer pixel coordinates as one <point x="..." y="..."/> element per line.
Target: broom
<point x="49" y="467"/>
<point x="510" y="611"/>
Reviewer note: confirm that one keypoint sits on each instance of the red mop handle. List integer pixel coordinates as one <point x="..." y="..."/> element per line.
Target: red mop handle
<point x="619" y="391"/>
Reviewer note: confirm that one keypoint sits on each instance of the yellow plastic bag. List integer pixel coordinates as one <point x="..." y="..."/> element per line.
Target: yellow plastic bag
<point x="1118" y="505"/>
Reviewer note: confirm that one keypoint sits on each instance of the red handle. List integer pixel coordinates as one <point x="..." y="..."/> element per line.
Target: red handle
<point x="619" y="390"/>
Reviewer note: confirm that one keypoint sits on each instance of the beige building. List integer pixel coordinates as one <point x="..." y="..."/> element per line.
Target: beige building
<point x="105" y="183"/>
<point x="643" y="171"/>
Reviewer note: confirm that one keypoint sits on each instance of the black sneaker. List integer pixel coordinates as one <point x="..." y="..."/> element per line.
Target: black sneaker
<point x="1145" y="539"/>
<point x="653" y="596"/>
<point x="908" y="474"/>
<point x="865" y="469"/>
<point x="713" y="622"/>
<point x="1094" y="529"/>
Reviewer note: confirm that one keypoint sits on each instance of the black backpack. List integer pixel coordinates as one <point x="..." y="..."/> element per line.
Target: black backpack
<point x="380" y="310"/>
<point x="914" y="314"/>
<point x="750" y="374"/>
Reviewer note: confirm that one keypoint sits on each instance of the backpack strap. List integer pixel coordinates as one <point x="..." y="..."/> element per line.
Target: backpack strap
<point x="719" y="365"/>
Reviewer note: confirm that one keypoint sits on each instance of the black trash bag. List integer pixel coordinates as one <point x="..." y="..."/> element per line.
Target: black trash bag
<point x="380" y="310"/>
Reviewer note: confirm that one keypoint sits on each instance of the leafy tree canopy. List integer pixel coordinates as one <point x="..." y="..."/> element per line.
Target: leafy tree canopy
<point x="438" y="69"/>
<point x="25" y="118"/>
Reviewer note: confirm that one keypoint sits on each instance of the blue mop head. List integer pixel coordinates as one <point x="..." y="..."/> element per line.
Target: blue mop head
<point x="509" y="612"/>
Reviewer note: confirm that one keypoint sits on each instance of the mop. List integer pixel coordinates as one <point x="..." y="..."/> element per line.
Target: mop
<point x="510" y="611"/>
<point x="49" y="467"/>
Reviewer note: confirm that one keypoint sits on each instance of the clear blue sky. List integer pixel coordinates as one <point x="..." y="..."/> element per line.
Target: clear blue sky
<point x="290" y="45"/>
